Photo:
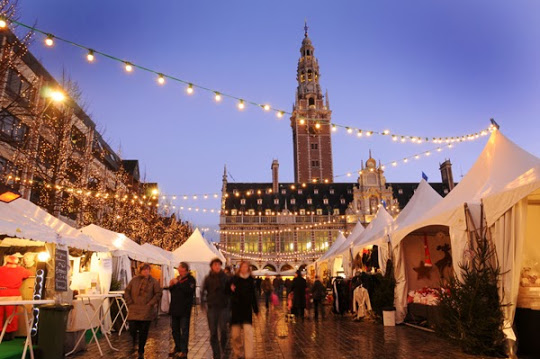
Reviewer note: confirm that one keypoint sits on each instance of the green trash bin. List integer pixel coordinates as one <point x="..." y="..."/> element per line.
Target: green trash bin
<point x="52" y="330"/>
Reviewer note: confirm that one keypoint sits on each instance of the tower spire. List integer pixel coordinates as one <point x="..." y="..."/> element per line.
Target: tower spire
<point x="305" y="28"/>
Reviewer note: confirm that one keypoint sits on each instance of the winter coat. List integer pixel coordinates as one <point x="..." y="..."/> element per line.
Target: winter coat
<point x="361" y="302"/>
<point x="142" y="304"/>
<point x="267" y="286"/>
<point x="216" y="290"/>
<point x="243" y="300"/>
<point x="182" y="296"/>
<point x="318" y="291"/>
<point x="298" y="287"/>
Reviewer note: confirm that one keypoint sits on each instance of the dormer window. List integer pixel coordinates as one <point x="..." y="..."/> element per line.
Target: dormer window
<point x="300" y="191"/>
<point x="293" y="201"/>
<point x="243" y="201"/>
<point x="319" y="212"/>
<point x="302" y="212"/>
<point x="234" y="212"/>
<point x="259" y="201"/>
<point x="400" y="191"/>
<point x="331" y="191"/>
<point x="309" y="201"/>
<point x="336" y="211"/>
<point x="343" y="201"/>
<point x="349" y="191"/>
<point x="325" y="201"/>
<point x="283" y="191"/>
<point x="276" y="201"/>
<point x="316" y="191"/>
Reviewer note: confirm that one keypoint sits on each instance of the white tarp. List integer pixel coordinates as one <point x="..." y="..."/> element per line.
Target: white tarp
<point x="23" y="219"/>
<point x="119" y="244"/>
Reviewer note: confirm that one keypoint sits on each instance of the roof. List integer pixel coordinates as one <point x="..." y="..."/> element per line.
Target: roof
<point x="132" y="167"/>
<point x="290" y="195"/>
<point x="196" y="249"/>
<point x="403" y="191"/>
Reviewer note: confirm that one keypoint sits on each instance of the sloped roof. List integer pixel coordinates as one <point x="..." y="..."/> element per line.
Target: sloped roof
<point x="196" y="249"/>
<point x="338" y="243"/>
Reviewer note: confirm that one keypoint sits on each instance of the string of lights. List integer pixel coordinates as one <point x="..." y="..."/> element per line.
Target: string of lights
<point x="162" y="78"/>
<point x="278" y="257"/>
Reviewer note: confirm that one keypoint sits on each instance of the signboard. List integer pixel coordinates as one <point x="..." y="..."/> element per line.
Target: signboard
<point x="61" y="269"/>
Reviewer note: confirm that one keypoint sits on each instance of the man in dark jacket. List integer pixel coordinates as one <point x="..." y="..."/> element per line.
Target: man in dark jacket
<point x="182" y="290"/>
<point x="216" y="293"/>
<point x="319" y="293"/>
<point x="298" y="288"/>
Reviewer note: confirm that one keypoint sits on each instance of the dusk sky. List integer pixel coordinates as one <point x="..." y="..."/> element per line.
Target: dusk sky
<point x="418" y="67"/>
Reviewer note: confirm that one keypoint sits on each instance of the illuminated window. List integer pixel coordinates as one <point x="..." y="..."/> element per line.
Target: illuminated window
<point x="343" y="201"/>
<point x="336" y="211"/>
<point x="302" y="212"/>
<point x="259" y="201"/>
<point x="325" y="201"/>
<point x="293" y="201"/>
<point x="316" y="191"/>
<point x="319" y="212"/>
<point x="243" y="201"/>
<point x="331" y="191"/>
<point x="299" y="191"/>
<point x="309" y="201"/>
<point x="276" y="201"/>
<point x="234" y="212"/>
<point x="283" y="191"/>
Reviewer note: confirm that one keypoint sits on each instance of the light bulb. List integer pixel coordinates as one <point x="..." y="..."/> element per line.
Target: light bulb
<point x="359" y="134"/>
<point x="302" y="121"/>
<point x="90" y="56"/>
<point x="3" y="23"/>
<point x="190" y="89"/>
<point x="349" y="130"/>
<point x="317" y="125"/>
<point x="241" y="105"/>
<point x="394" y="163"/>
<point x="128" y="67"/>
<point x="217" y="97"/>
<point x="394" y="138"/>
<point x="280" y="114"/>
<point x="266" y="107"/>
<point x="161" y="79"/>
<point x="405" y="160"/>
<point x="43" y="256"/>
<point x="334" y="128"/>
<point x="428" y="153"/>
<point x="49" y="40"/>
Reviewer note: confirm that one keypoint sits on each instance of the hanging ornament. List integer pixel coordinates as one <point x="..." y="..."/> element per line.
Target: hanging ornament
<point x="427" y="255"/>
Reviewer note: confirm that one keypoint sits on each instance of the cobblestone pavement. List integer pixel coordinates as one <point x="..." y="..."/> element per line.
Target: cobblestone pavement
<point x="334" y="337"/>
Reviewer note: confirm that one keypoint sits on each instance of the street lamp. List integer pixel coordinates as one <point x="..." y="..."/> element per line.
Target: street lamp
<point x="8" y="194"/>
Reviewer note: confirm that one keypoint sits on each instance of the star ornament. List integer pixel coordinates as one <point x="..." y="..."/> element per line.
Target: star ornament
<point x="423" y="271"/>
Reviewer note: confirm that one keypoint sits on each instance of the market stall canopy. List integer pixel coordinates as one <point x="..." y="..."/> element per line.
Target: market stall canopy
<point x="263" y="272"/>
<point x="355" y="233"/>
<point x="160" y="252"/>
<point x="501" y="174"/>
<point x="23" y="219"/>
<point x="288" y="273"/>
<point x="379" y="225"/>
<point x="197" y="249"/>
<point x="338" y="243"/>
<point x="119" y="244"/>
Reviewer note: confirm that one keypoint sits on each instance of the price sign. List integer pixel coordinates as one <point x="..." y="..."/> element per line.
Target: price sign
<point x="61" y="269"/>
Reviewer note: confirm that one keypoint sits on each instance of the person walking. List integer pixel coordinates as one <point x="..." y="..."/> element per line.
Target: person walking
<point x="243" y="304"/>
<point x="215" y="293"/>
<point x="278" y="286"/>
<point x="298" y="287"/>
<point x="142" y="295"/>
<point x="267" y="289"/>
<point x="258" y="284"/>
<point x="318" y="293"/>
<point x="182" y="290"/>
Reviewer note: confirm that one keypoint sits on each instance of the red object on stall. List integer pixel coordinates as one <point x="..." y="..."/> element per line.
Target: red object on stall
<point x="11" y="278"/>
<point x="427" y="261"/>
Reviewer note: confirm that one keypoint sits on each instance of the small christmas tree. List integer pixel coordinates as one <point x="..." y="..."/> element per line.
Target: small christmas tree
<point x="471" y="311"/>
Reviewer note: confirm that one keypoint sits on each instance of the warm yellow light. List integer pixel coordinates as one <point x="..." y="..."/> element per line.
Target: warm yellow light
<point x="44" y="256"/>
<point x="349" y="174"/>
<point x="369" y="133"/>
<point x="128" y="67"/>
<point x="417" y="157"/>
<point x="161" y="79"/>
<point x="3" y="24"/>
<point x="386" y="132"/>
<point x="405" y="160"/>
<point x="359" y="134"/>
<point x="317" y="125"/>
<point x="49" y="40"/>
<point x="266" y="107"/>
<point x="428" y="153"/>
<point x="394" y="163"/>
<point x="57" y="96"/>
<point x="90" y="56"/>
<point x="349" y="130"/>
<point x="217" y="97"/>
<point x="394" y="138"/>
<point x="334" y="128"/>
<point x="241" y="105"/>
<point x="190" y="89"/>
<point x="280" y="114"/>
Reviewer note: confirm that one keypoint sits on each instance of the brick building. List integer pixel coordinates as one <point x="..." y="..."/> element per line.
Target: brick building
<point x="281" y="226"/>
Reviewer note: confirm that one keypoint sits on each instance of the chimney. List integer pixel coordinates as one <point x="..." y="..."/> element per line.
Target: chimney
<point x="446" y="174"/>
<point x="275" y="176"/>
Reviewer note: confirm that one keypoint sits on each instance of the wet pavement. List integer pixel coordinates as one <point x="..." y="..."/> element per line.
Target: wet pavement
<point x="333" y="337"/>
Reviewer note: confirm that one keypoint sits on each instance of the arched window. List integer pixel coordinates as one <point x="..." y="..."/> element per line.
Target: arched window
<point x="310" y="75"/>
<point x="311" y="101"/>
<point x="302" y="77"/>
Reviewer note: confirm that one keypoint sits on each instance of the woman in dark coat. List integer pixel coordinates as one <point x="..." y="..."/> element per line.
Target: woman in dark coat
<point x="298" y="288"/>
<point x="243" y="304"/>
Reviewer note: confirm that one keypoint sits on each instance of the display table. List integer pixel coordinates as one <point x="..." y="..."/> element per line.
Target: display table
<point x="121" y="304"/>
<point x="417" y="313"/>
<point x="29" y="322"/>
<point x="92" y="315"/>
<point x="77" y="319"/>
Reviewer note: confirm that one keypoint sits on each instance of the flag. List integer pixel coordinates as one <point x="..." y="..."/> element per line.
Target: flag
<point x="384" y="203"/>
<point x="424" y="176"/>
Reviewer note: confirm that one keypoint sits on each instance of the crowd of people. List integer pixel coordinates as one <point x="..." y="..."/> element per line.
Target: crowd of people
<point x="229" y="300"/>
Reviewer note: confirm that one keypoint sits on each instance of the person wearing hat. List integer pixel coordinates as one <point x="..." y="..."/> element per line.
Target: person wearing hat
<point x="215" y="296"/>
<point x="11" y="279"/>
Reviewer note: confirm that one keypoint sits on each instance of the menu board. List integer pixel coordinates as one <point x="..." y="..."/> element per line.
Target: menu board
<point x="61" y="269"/>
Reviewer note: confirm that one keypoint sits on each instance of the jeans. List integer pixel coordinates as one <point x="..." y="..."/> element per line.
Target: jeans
<point x="316" y="305"/>
<point x="142" y="327"/>
<point x="242" y="347"/>
<point x="180" y="333"/>
<point x="217" y="322"/>
<point x="267" y="298"/>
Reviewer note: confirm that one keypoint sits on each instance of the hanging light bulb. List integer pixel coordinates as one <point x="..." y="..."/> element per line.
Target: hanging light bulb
<point x="359" y="134"/>
<point x="302" y="121"/>
<point x="190" y="89"/>
<point x="369" y="133"/>
<point x="266" y="107"/>
<point x="161" y="79"/>
<point x="279" y="114"/>
<point x="349" y="130"/>
<point x="49" y="40"/>
<point x="90" y="56"/>
<point x="334" y="128"/>
<point x="405" y="160"/>
<point x="128" y="67"/>
<point x="317" y="125"/>
<point x="241" y="105"/>
<point x="3" y="23"/>
<point x="217" y="97"/>
<point x="394" y="138"/>
<point x="394" y="163"/>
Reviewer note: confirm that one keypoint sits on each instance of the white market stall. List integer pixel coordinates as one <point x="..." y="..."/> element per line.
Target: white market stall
<point x="197" y="252"/>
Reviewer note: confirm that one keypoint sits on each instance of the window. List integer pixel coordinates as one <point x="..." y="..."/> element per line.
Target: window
<point x="315" y="163"/>
<point x="243" y="201"/>
<point x="251" y="212"/>
<point x="309" y="201"/>
<point x="325" y="201"/>
<point x="310" y="78"/>
<point x="11" y="127"/>
<point x="311" y="101"/>
<point x="78" y="139"/>
<point x="314" y="146"/>
<point x="293" y="201"/>
<point x="283" y="191"/>
<point x="276" y="201"/>
<point x="319" y="212"/>
<point x="300" y="191"/>
<point x="302" y="212"/>
<point x="18" y="85"/>
<point x="316" y="191"/>
<point x="349" y="191"/>
<point x="234" y="212"/>
<point x="267" y="212"/>
<point x="302" y="77"/>
<point x="400" y="191"/>
<point x="336" y="211"/>
<point x="331" y="191"/>
<point x="259" y="201"/>
<point x="343" y="201"/>
<point x="3" y="165"/>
